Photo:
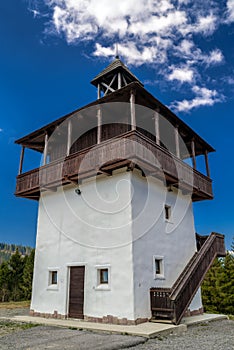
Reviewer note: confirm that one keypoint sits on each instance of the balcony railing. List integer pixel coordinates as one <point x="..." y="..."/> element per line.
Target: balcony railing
<point x="127" y="149"/>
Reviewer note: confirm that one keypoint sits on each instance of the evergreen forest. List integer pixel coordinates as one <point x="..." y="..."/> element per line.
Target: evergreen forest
<point x="16" y="272"/>
<point x="218" y="286"/>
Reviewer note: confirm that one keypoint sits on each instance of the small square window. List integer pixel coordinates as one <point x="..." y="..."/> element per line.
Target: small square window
<point x="54" y="277"/>
<point x="167" y="212"/>
<point x="158" y="267"/>
<point x="103" y="273"/>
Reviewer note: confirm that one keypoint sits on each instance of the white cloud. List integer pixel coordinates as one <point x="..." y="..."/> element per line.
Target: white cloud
<point x="230" y="80"/>
<point x="186" y="47"/>
<point x="134" y="55"/>
<point x="206" y="25"/>
<point x="183" y="74"/>
<point x="230" y="10"/>
<point x="203" y="97"/>
<point x="214" y="57"/>
<point x="163" y="34"/>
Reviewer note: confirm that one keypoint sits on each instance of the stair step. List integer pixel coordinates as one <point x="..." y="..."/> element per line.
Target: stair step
<point x="157" y="320"/>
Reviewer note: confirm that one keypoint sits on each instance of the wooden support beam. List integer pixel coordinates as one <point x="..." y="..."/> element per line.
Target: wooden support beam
<point x="119" y="80"/>
<point x="131" y="166"/>
<point x="124" y="80"/>
<point x="133" y="110"/>
<point x="104" y="172"/>
<point x="157" y="131"/>
<point x="99" y="124"/>
<point x="67" y="178"/>
<point x="47" y="188"/>
<point x="177" y="141"/>
<point x="99" y="91"/>
<point x="21" y="160"/>
<point x="193" y="154"/>
<point x="207" y="163"/>
<point x="69" y="136"/>
<point x="108" y="87"/>
<point x="155" y="172"/>
<point x="45" y="150"/>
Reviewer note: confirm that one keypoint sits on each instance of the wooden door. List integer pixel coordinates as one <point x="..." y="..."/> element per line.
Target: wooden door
<point x="76" y="292"/>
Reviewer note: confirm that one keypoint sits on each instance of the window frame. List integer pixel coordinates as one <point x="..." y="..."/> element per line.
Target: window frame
<point x="51" y="271"/>
<point x="167" y="213"/>
<point x="100" y="283"/>
<point x="53" y="281"/>
<point x="159" y="259"/>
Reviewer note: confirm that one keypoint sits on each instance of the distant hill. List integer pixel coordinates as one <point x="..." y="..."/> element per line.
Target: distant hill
<point x="6" y="250"/>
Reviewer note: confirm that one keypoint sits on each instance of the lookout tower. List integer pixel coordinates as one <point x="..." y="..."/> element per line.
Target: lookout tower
<point x="116" y="241"/>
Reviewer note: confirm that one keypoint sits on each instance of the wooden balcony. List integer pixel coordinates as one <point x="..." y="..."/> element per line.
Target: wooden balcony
<point x="131" y="149"/>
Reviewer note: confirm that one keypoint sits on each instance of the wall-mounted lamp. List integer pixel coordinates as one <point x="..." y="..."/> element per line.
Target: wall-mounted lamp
<point x="169" y="188"/>
<point x="78" y="191"/>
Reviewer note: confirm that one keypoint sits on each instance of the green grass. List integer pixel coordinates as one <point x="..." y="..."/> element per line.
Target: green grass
<point x="231" y="317"/>
<point x="15" y="325"/>
<point x="7" y="327"/>
<point x="15" y="304"/>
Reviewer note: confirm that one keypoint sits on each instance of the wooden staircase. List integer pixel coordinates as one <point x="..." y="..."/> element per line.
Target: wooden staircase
<point x="171" y="303"/>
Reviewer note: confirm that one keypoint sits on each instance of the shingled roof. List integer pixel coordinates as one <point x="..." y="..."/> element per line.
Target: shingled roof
<point x="116" y="65"/>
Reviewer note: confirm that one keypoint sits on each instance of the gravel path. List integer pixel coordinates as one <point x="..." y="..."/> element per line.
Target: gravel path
<point x="14" y="312"/>
<point x="217" y="335"/>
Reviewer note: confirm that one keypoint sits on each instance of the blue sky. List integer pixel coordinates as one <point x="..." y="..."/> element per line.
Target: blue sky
<point x="181" y="50"/>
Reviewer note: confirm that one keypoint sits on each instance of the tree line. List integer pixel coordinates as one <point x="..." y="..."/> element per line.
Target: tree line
<point x="16" y="277"/>
<point x="218" y="286"/>
<point x="6" y="250"/>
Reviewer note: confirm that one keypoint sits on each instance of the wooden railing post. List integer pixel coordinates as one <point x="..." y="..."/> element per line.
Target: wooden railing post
<point x="177" y="141"/>
<point x="69" y="136"/>
<point x="133" y="110"/>
<point x="193" y="154"/>
<point x="207" y="164"/>
<point x="45" y="149"/>
<point x="119" y="80"/>
<point x="157" y="130"/>
<point x="99" y="91"/>
<point x="21" y="160"/>
<point x="99" y="125"/>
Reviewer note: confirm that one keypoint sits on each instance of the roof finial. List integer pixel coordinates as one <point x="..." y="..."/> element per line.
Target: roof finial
<point x="117" y="50"/>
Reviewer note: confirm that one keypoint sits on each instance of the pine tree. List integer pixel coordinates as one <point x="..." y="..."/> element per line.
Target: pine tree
<point x="4" y="281"/>
<point x="16" y="267"/>
<point x="211" y="287"/>
<point x="227" y="288"/>
<point x="218" y="286"/>
<point x="28" y="275"/>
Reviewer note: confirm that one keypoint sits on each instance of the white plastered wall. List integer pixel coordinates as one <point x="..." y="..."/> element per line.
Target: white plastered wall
<point x="78" y="230"/>
<point x="173" y="240"/>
